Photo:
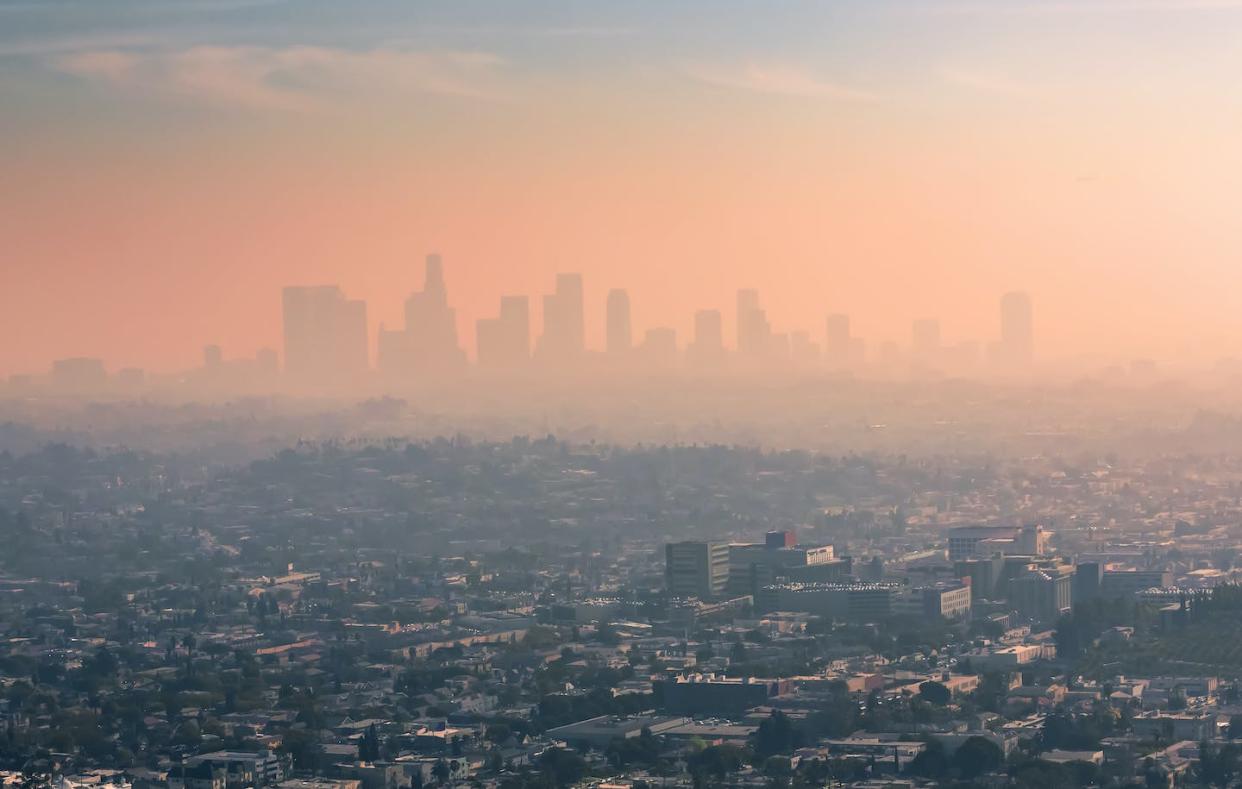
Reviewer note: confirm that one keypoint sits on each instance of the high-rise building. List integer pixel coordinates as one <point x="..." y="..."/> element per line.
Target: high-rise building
<point x="659" y="348"/>
<point x="1043" y="592"/>
<point x="754" y="333"/>
<point x="504" y="341"/>
<point x="708" y="331"/>
<point x="707" y="348"/>
<point x="426" y="349"/>
<point x="1017" y="343"/>
<point x="802" y="350"/>
<point x="619" y="334"/>
<point x="837" y="342"/>
<point x="696" y="569"/>
<point x="325" y="335"/>
<point x="563" y="325"/>
<point x="430" y="328"/>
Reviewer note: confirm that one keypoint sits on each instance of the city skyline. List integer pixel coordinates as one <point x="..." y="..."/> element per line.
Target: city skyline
<point x="325" y="342"/>
<point x="167" y="173"/>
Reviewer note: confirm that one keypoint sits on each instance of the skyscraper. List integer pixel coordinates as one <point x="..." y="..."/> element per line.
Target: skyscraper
<point x="1017" y="342"/>
<point x="504" y="341"/>
<point x="754" y="334"/>
<point x="706" y="349"/>
<point x="802" y="350"/>
<point x="427" y="347"/>
<point x="432" y="323"/>
<point x="708" y="331"/>
<point x="563" y="331"/>
<point x="325" y="335"/>
<point x="659" y="348"/>
<point x="619" y="334"/>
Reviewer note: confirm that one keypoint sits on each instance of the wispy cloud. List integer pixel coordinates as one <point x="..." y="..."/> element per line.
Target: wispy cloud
<point x="982" y="80"/>
<point x="776" y="79"/>
<point x="288" y="79"/>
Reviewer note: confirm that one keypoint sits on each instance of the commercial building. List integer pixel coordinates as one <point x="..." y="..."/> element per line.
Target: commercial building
<point x="696" y="569"/>
<point x="707" y="348"/>
<point x="1043" y="592"/>
<point x="619" y="335"/>
<point x="753" y="566"/>
<point x="976" y="542"/>
<point x="754" y="333"/>
<point x="1128" y="583"/>
<point x="600" y="731"/>
<point x="708" y="694"/>
<point x="853" y="601"/>
<point x="563" y="338"/>
<point x="243" y="768"/>
<point x="504" y="341"/>
<point x="325" y="335"/>
<point x="946" y="600"/>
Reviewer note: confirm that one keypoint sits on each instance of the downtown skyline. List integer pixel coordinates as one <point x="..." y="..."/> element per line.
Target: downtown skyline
<point x="169" y="167"/>
<point x="326" y="343"/>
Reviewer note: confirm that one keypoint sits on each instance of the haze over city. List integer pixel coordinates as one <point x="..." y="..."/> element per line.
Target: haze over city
<point x="569" y="394"/>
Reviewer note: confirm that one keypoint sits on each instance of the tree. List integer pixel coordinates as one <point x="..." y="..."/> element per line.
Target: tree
<point x="369" y="746"/>
<point x="976" y="756"/>
<point x="1218" y="767"/>
<point x="716" y="761"/>
<point x="440" y="771"/>
<point x="563" y="767"/>
<point x="931" y="762"/>
<point x="935" y="693"/>
<point x="774" y="736"/>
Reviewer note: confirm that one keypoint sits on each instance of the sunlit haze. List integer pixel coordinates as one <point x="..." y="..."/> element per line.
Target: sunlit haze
<point x="169" y="167"/>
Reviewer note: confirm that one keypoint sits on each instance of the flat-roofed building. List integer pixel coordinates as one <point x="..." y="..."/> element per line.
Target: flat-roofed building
<point x="696" y="569"/>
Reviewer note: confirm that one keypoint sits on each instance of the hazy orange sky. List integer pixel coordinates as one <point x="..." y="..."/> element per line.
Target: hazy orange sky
<point x="167" y="167"/>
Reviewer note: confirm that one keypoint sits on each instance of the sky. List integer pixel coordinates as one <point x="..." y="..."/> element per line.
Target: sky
<point x="166" y="167"/>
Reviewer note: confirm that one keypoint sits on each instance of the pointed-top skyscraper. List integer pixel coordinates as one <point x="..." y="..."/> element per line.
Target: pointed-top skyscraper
<point x="428" y="347"/>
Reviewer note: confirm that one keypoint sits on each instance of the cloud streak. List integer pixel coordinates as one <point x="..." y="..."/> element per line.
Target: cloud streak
<point x="774" y="79"/>
<point x="982" y="80"/>
<point x="296" y="79"/>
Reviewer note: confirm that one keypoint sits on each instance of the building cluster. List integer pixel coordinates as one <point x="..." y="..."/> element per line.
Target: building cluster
<point x="534" y="613"/>
<point x="327" y="344"/>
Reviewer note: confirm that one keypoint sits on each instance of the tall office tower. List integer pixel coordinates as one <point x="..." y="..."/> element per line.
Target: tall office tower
<point x="515" y="323"/>
<point x="213" y="356"/>
<point x="708" y="334"/>
<point x="707" y="349"/>
<point x="619" y="335"/>
<point x="837" y="342"/>
<point x="925" y="341"/>
<point x="754" y="334"/>
<point x="431" y="324"/>
<point x="504" y="341"/>
<point x="802" y="350"/>
<point x="325" y="335"/>
<point x="1017" y="344"/>
<point x="563" y="331"/>
<point x="696" y="569"/>
<point x="659" y="348"/>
